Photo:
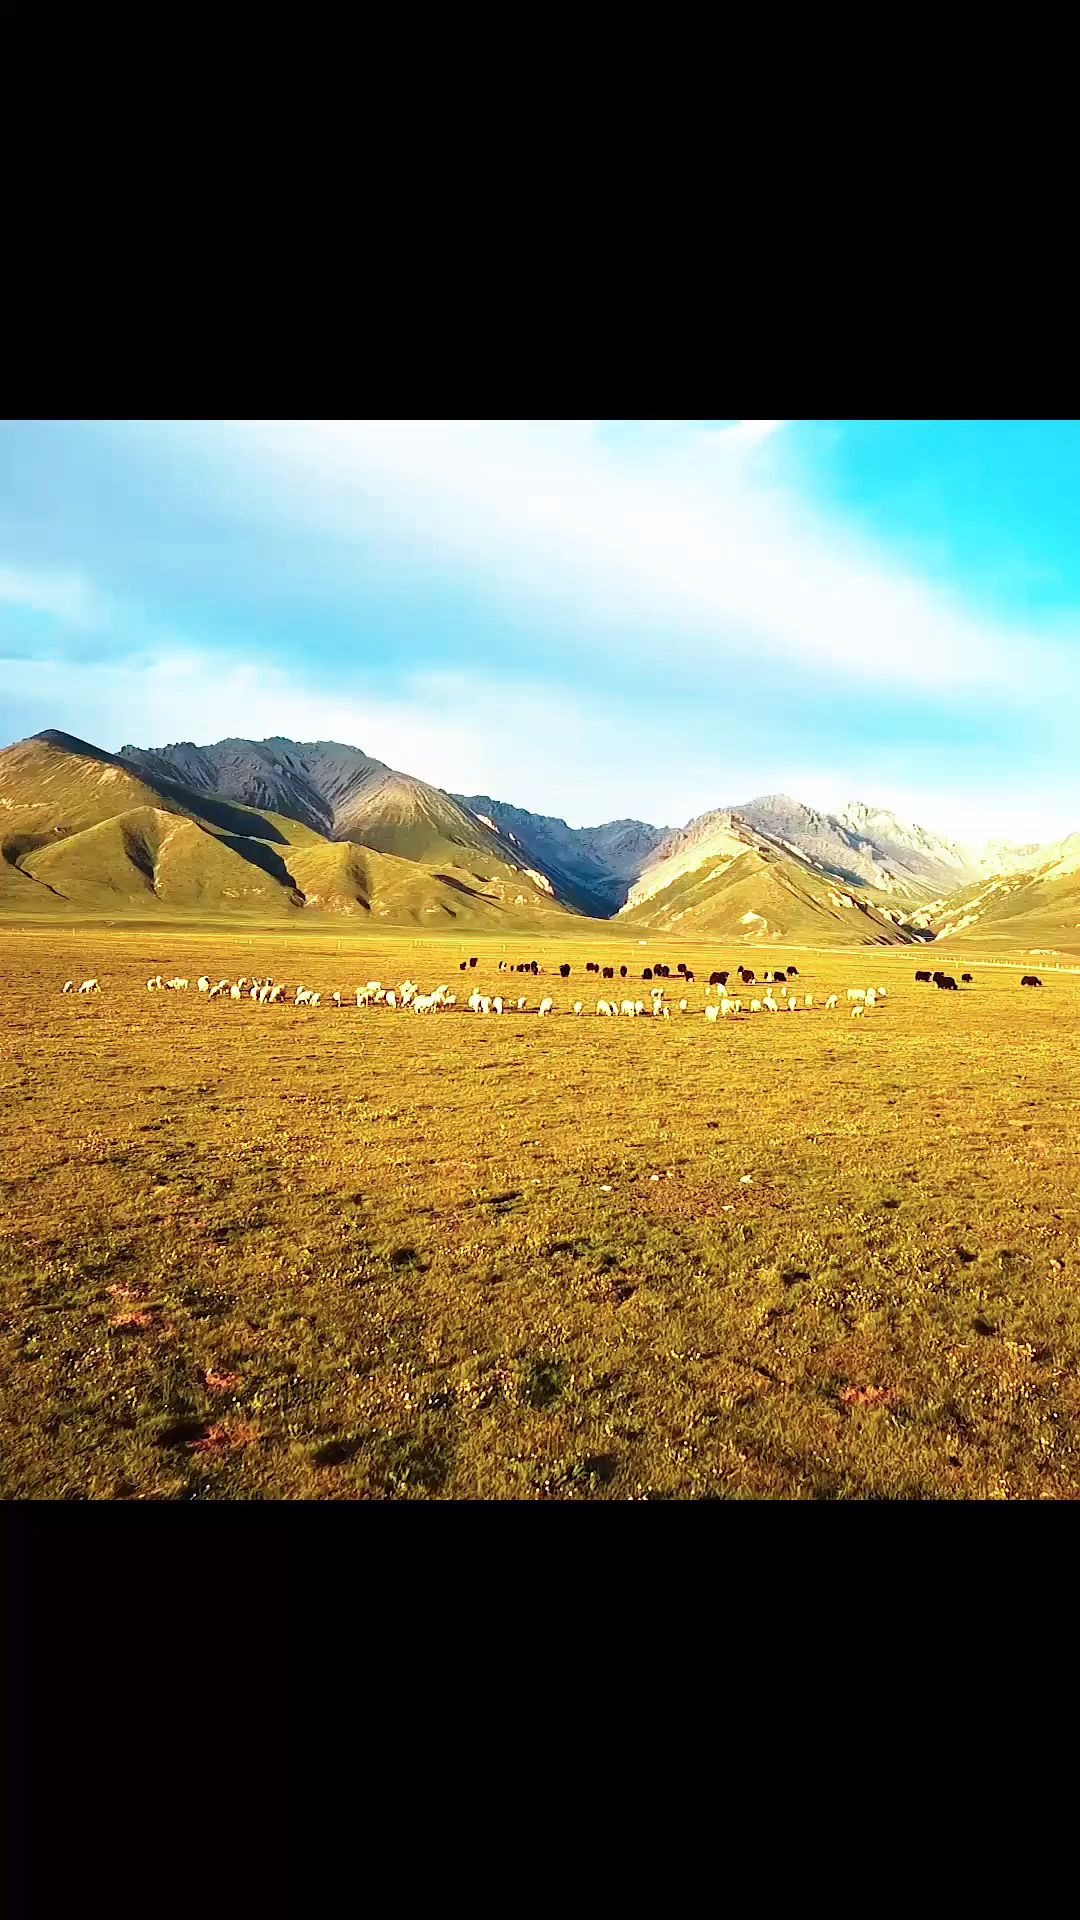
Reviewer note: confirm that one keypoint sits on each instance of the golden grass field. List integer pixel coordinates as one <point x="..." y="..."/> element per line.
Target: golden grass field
<point x="269" y="1252"/>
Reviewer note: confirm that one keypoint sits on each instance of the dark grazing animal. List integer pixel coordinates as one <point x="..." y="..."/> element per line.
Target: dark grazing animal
<point x="923" y="976"/>
<point x="946" y="980"/>
<point x="682" y="966"/>
<point x="472" y="962"/>
<point x="622" y="973"/>
<point x="647" y="975"/>
<point x="591" y="966"/>
<point x="966" y="979"/>
<point x="793" y="973"/>
<point x="609" y="973"/>
<point x="688" y="975"/>
<point x="1031" y="980"/>
<point x="564" y="971"/>
<point x="462" y="964"/>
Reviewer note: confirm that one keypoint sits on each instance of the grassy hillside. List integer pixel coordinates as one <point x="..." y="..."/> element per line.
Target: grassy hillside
<point x="1034" y="912"/>
<point x="79" y="830"/>
<point x="761" y="897"/>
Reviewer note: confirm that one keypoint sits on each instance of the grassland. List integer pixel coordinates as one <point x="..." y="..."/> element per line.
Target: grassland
<point x="278" y="1252"/>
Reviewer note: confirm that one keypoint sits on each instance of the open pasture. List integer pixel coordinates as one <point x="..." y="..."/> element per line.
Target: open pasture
<point x="287" y="1252"/>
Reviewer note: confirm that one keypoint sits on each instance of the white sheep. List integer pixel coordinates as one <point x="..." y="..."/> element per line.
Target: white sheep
<point x="277" y="993"/>
<point x="831" y="1002"/>
<point x="313" y="999"/>
<point x="546" y="1006"/>
<point x="154" y="984"/>
<point x="728" y="1007"/>
<point x="497" y="1003"/>
<point x="602" y="1006"/>
<point x="627" y="1009"/>
<point x="89" y="986"/>
<point x="391" y="998"/>
<point x="69" y="986"/>
<point x="712" y="1012"/>
<point x="809" y="1001"/>
<point x="266" y="990"/>
<point x="579" y="1006"/>
<point x="871" y="996"/>
<point x="856" y="1010"/>
<point x="856" y="993"/>
<point x="665" y="1013"/>
<point x="234" y="991"/>
<point x="770" y="1004"/>
<point x="684" y="1006"/>
<point x="882" y="993"/>
<point x="755" y="1006"/>
<point x="522" y="1004"/>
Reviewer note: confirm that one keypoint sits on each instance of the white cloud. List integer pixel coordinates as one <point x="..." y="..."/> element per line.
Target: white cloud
<point x="64" y="596"/>
<point x="677" y="546"/>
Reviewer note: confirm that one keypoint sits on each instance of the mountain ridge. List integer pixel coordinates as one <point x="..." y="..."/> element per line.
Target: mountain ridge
<point x="324" y="824"/>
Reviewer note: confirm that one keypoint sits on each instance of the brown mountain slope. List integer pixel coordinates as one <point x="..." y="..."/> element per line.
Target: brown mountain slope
<point x="763" y="897"/>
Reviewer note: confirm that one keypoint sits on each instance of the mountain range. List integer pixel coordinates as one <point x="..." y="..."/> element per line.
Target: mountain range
<point x="279" y="828"/>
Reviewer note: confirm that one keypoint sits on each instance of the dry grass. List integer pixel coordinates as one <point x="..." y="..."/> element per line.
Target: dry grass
<point x="269" y="1252"/>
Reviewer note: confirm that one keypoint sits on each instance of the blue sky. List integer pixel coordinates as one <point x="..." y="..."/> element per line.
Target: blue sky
<point x="594" y="619"/>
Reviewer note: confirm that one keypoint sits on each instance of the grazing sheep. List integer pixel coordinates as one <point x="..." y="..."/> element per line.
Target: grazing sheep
<point x="769" y="1004"/>
<point x="302" y="996"/>
<point x="521" y="1005"/>
<point x="728" y="1006"/>
<point x="266" y="990"/>
<point x="336" y="998"/>
<point x="627" y="1009"/>
<point x="69" y="986"/>
<point x="755" y="1006"/>
<point x="234" y="992"/>
<point x="203" y="983"/>
<point x="712" y="1013"/>
<point x="881" y="992"/>
<point x="664" y="1013"/>
<point x="277" y="994"/>
<point x="603" y="1006"/>
<point x="684" y="1006"/>
<point x="545" y="1006"/>
<point x="485" y="1002"/>
<point x="497" y="1005"/>
<point x="871" y="996"/>
<point x="153" y="983"/>
<point x="578" y="1007"/>
<point x="313" y="1000"/>
<point x="855" y="1011"/>
<point x="363" y="997"/>
<point x="793" y="1004"/>
<point x="831" y="1002"/>
<point x="89" y="986"/>
<point x="856" y="993"/>
<point x="391" y="997"/>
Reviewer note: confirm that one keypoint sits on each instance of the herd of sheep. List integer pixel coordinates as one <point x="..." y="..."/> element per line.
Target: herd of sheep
<point x="409" y="996"/>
